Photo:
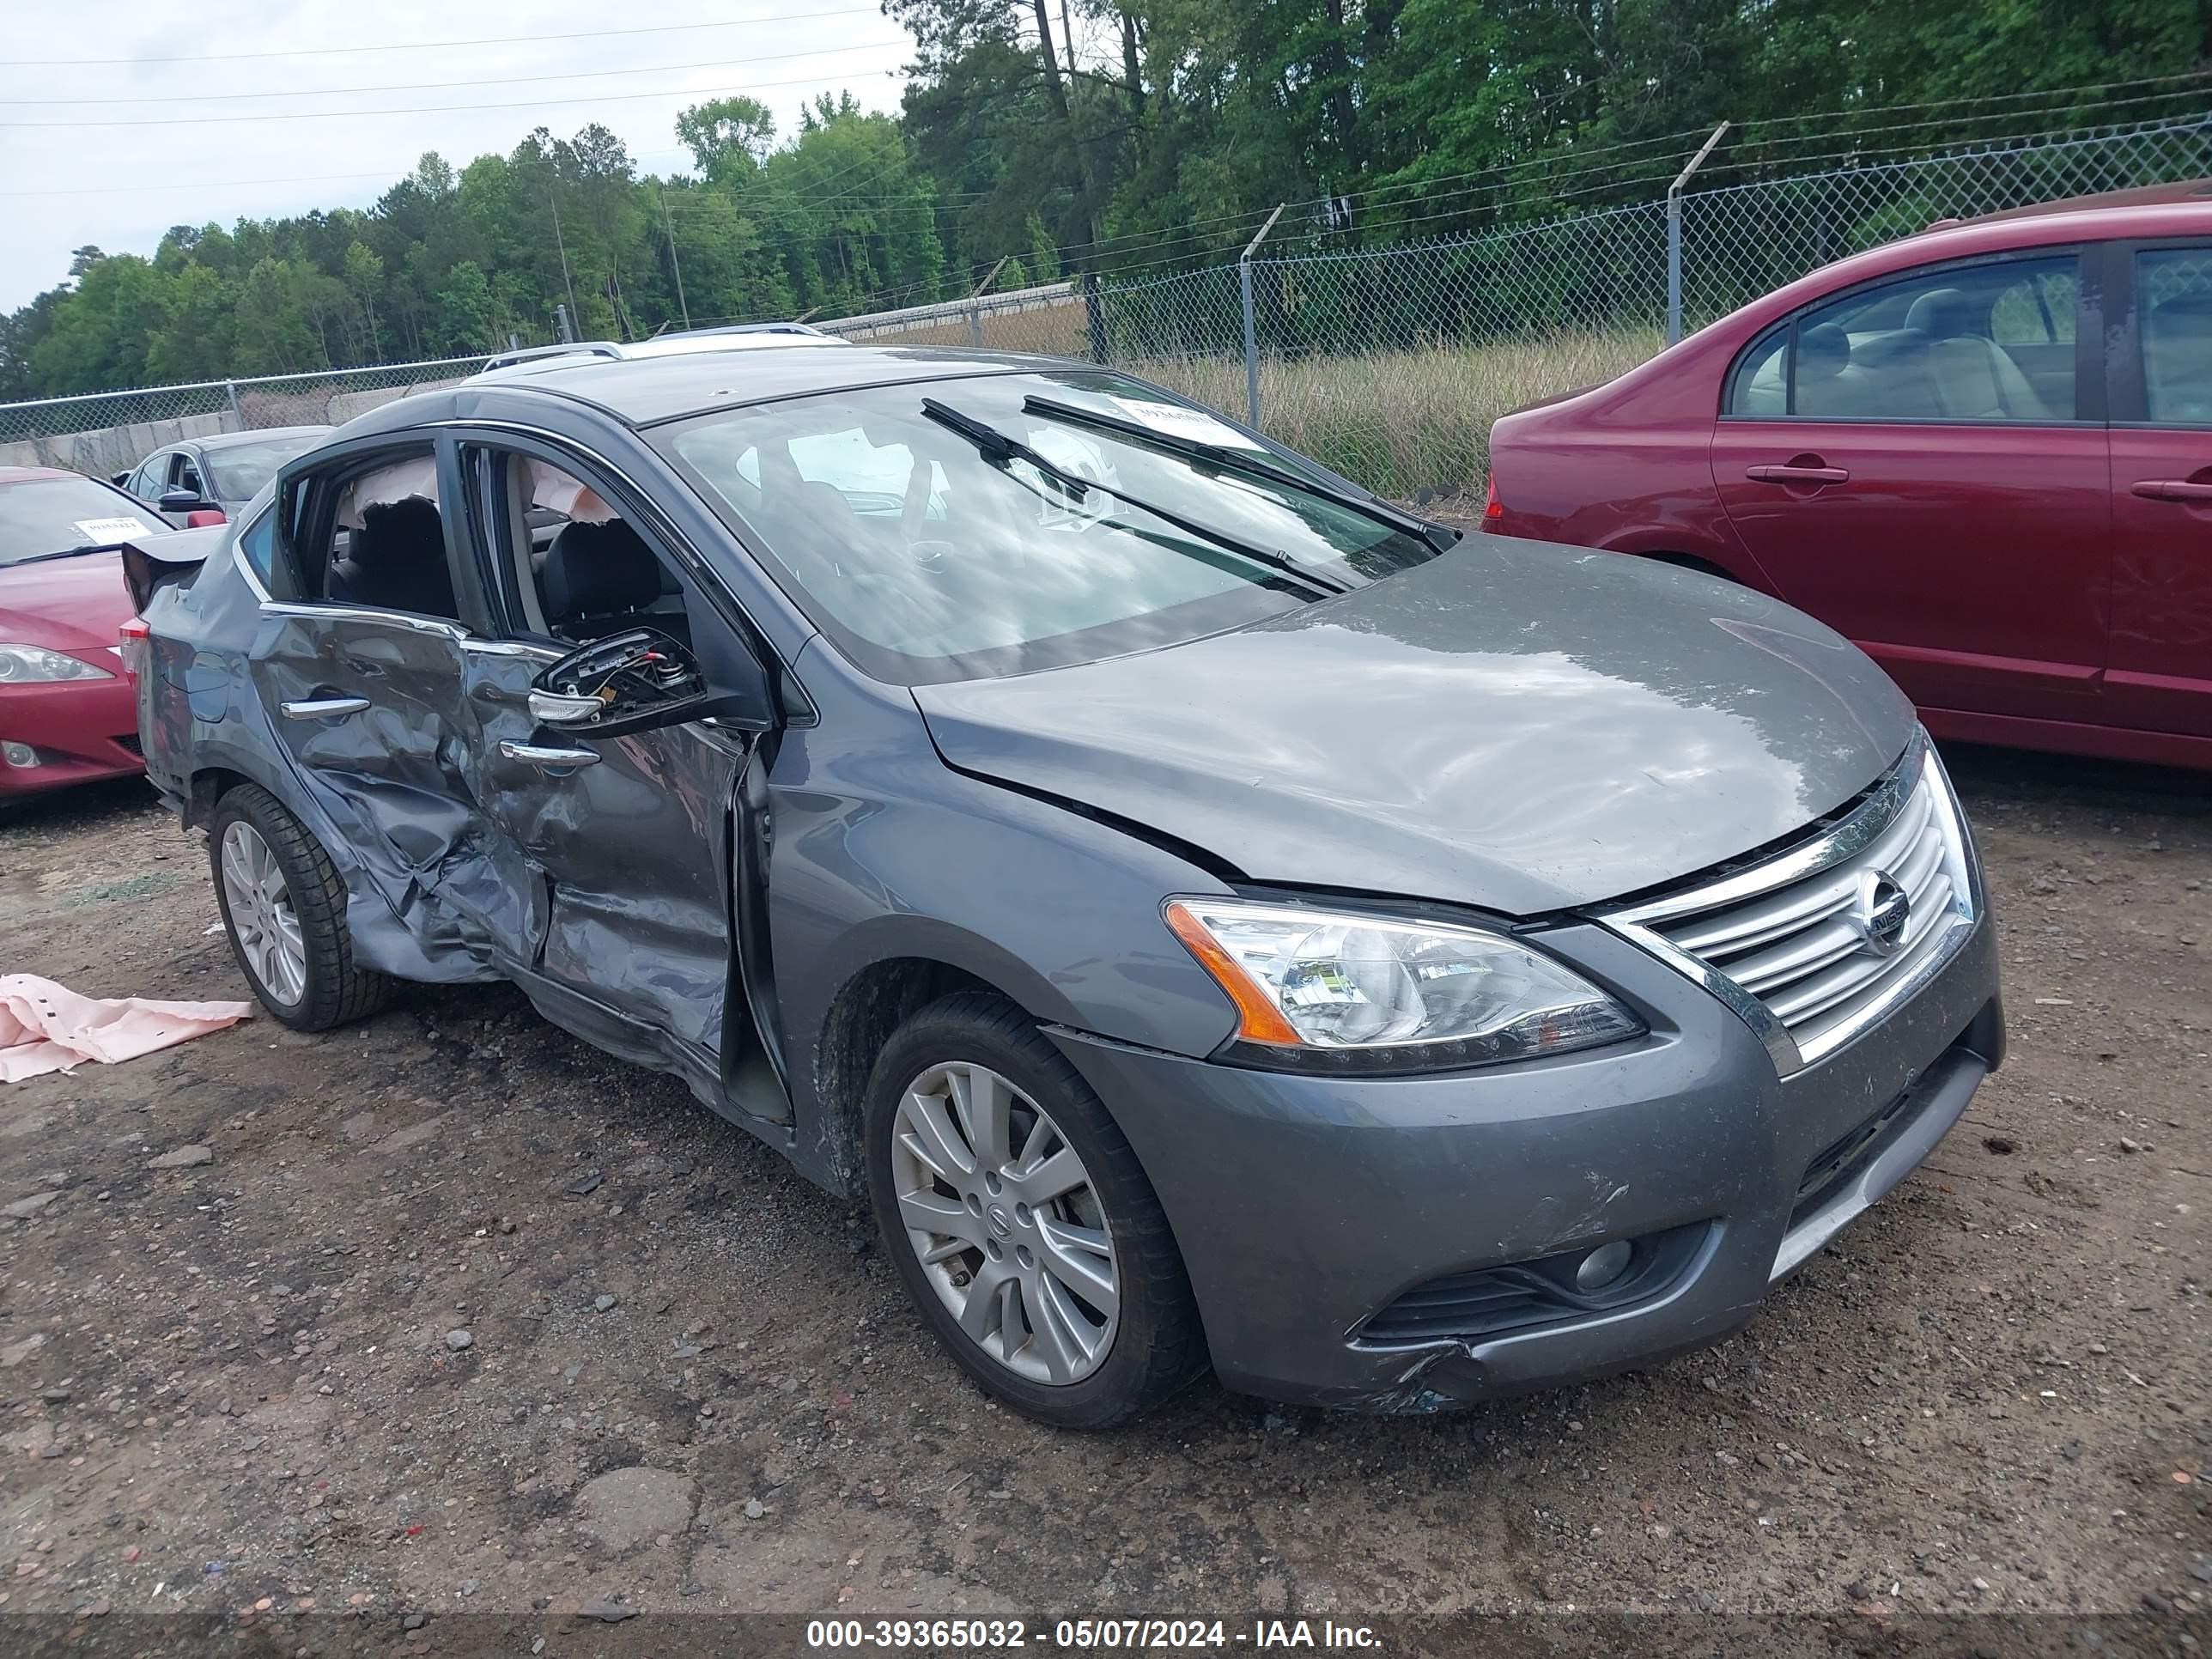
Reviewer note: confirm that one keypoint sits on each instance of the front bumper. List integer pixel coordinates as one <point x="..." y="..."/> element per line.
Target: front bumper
<point x="82" y="729"/>
<point x="1304" y="1207"/>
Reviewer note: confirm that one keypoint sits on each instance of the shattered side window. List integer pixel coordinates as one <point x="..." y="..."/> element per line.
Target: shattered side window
<point x="417" y="475"/>
<point x="591" y="572"/>
<point x="387" y="547"/>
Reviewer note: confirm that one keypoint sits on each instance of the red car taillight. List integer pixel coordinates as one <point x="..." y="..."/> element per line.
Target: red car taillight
<point x="1492" y="508"/>
<point x="137" y="644"/>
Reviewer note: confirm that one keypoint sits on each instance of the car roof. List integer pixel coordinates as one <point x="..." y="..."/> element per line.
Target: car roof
<point x="2185" y="190"/>
<point x="2181" y="210"/>
<point x="15" y="475"/>
<point x="644" y="390"/>
<point x="747" y="337"/>
<point x="2155" y="210"/>
<point x="258" y="435"/>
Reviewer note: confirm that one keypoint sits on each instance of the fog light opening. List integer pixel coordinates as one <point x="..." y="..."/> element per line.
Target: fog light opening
<point x="1603" y="1265"/>
<point x="18" y="754"/>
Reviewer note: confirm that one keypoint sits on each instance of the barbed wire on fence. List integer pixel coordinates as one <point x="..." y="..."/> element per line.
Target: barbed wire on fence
<point x="1386" y="362"/>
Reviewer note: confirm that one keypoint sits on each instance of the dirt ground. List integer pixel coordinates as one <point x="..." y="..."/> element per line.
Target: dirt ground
<point x="690" y="1383"/>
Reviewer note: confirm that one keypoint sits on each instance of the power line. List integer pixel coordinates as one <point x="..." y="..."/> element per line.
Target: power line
<point x="1845" y="132"/>
<point x="169" y="187"/>
<point x="430" y="109"/>
<point x="477" y="81"/>
<point x="2073" y="93"/>
<point x="436" y="46"/>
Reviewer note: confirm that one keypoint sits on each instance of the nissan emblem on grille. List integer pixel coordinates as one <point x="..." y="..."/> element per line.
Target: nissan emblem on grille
<point x="1814" y="946"/>
<point x="1879" y="913"/>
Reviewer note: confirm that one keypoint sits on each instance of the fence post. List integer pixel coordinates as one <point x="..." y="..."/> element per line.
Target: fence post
<point x="976" y="312"/>
<point x="1251" y="333"/>
<point x="1094" y="317"/>
<point x="237" y="408"/>
<point x="1674" y="234"/>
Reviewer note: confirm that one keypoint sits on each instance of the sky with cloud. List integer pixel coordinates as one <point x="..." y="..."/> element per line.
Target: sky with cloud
<point x="119" y="119"/>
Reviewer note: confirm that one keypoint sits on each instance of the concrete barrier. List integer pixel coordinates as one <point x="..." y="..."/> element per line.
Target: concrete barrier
<point x="106" y="451"/>
<point x="111" y="449"/>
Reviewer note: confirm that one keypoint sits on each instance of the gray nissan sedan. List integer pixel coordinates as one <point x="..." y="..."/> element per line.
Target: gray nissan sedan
<point x="1217" y="918"/>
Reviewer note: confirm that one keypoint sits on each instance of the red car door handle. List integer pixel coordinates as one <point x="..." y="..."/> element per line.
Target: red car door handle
<point x="1788" y="475"/>
<point x="2174" y="490"/>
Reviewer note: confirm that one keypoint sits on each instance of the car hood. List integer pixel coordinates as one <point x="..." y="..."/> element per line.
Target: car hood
<point x="74" y="605"/>
<point x="1513" y="725"/>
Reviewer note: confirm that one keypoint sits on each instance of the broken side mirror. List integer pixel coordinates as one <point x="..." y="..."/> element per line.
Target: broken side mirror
<point x="641" y="680"/>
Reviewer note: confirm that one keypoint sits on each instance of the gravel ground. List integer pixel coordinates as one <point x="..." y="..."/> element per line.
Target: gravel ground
<point x="460" y="1316"/>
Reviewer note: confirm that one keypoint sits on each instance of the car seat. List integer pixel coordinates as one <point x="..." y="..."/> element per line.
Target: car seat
<point x="599" y="579"/>
<point x="1972" y="376"/>
<point x="395" y="560"/>
<point x="2178" y="356"/>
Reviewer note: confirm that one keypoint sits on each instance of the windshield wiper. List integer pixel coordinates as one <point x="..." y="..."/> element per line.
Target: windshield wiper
<point x="1253" y="462"/>
<point x="1001" y="447"/>
<point x="67" y="553"/>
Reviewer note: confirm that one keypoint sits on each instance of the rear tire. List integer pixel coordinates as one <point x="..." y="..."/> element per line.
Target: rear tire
<point x="283" y="907"/>
<point x="1036" y="1250"/>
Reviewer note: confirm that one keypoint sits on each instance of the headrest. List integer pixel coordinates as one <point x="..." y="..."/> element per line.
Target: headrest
<point x="826" y="504"/>
<point x="395" y="534"/>
<point x="1822" y="351"/>
<point x="1941" y="314"/>
<point x="594" y="569"/>
<point x="2188" y="313"/>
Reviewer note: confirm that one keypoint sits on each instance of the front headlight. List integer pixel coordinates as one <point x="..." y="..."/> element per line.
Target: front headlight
<point x="1342" y="991"/>
<point x="22" y="665"/>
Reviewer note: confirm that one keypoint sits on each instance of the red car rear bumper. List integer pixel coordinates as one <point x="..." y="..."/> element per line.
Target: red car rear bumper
<point x="82" y="729"/>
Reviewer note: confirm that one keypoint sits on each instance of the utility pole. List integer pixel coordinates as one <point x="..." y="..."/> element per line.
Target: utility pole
<point x="674" y="264"/>
<point x="553" y="202"/>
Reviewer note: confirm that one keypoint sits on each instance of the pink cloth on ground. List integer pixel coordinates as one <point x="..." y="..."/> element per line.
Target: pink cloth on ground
<point x="45" y="1027"/>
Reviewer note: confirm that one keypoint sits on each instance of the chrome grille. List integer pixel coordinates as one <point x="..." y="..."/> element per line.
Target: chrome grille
<point x="1798" y="944"/>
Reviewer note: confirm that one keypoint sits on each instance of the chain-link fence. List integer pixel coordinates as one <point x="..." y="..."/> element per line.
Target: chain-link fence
<point x="1743" y="237"/>
<point x="101" y="433"/>
<point x="1389" y="363"/>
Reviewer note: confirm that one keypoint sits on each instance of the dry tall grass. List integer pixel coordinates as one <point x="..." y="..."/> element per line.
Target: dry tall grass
<point x="1402" y="422"/>
<point x="1398" y="422"/>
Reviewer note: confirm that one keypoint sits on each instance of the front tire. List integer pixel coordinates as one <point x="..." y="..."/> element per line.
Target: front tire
<point x="1020" y="1221"/>
<point x="283" y="907"/>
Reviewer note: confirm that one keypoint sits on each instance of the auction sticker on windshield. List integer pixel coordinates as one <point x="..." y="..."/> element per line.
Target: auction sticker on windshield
<point x="1173" y="421"/>
<point x="97" y="531"/>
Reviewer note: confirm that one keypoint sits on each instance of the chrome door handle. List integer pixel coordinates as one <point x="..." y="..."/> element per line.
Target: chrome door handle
<point x="323" y="708"/>
<point x="533" y="754"/>
<point x="1784" y="475"/>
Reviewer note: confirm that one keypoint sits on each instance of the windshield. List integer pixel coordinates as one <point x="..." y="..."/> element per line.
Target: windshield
<point x="237" y="472"/>
<point x="40" y="516"/>
<point x="928" y="559"/>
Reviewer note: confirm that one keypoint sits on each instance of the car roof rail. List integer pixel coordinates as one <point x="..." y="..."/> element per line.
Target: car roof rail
<point x="565" y="348"/>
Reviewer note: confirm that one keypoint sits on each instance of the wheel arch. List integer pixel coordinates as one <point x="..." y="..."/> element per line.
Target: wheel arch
<point x="1691" y="561"/>
<point x="1710" y="559"/>
<point x="871" y="1005"/>
<point x="209" y="784"/>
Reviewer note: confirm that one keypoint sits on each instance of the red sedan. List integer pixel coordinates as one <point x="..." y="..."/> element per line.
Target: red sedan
<point x="1984" y="453"/>
<point x="67" y="712"/>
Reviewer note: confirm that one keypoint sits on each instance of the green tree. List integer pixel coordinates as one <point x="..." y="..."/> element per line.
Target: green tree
<point x="462" y="312"/>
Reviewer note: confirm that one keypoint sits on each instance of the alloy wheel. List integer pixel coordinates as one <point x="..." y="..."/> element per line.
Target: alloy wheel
<point x="1006" y="1222"/>
<point x="262" y="916"/>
